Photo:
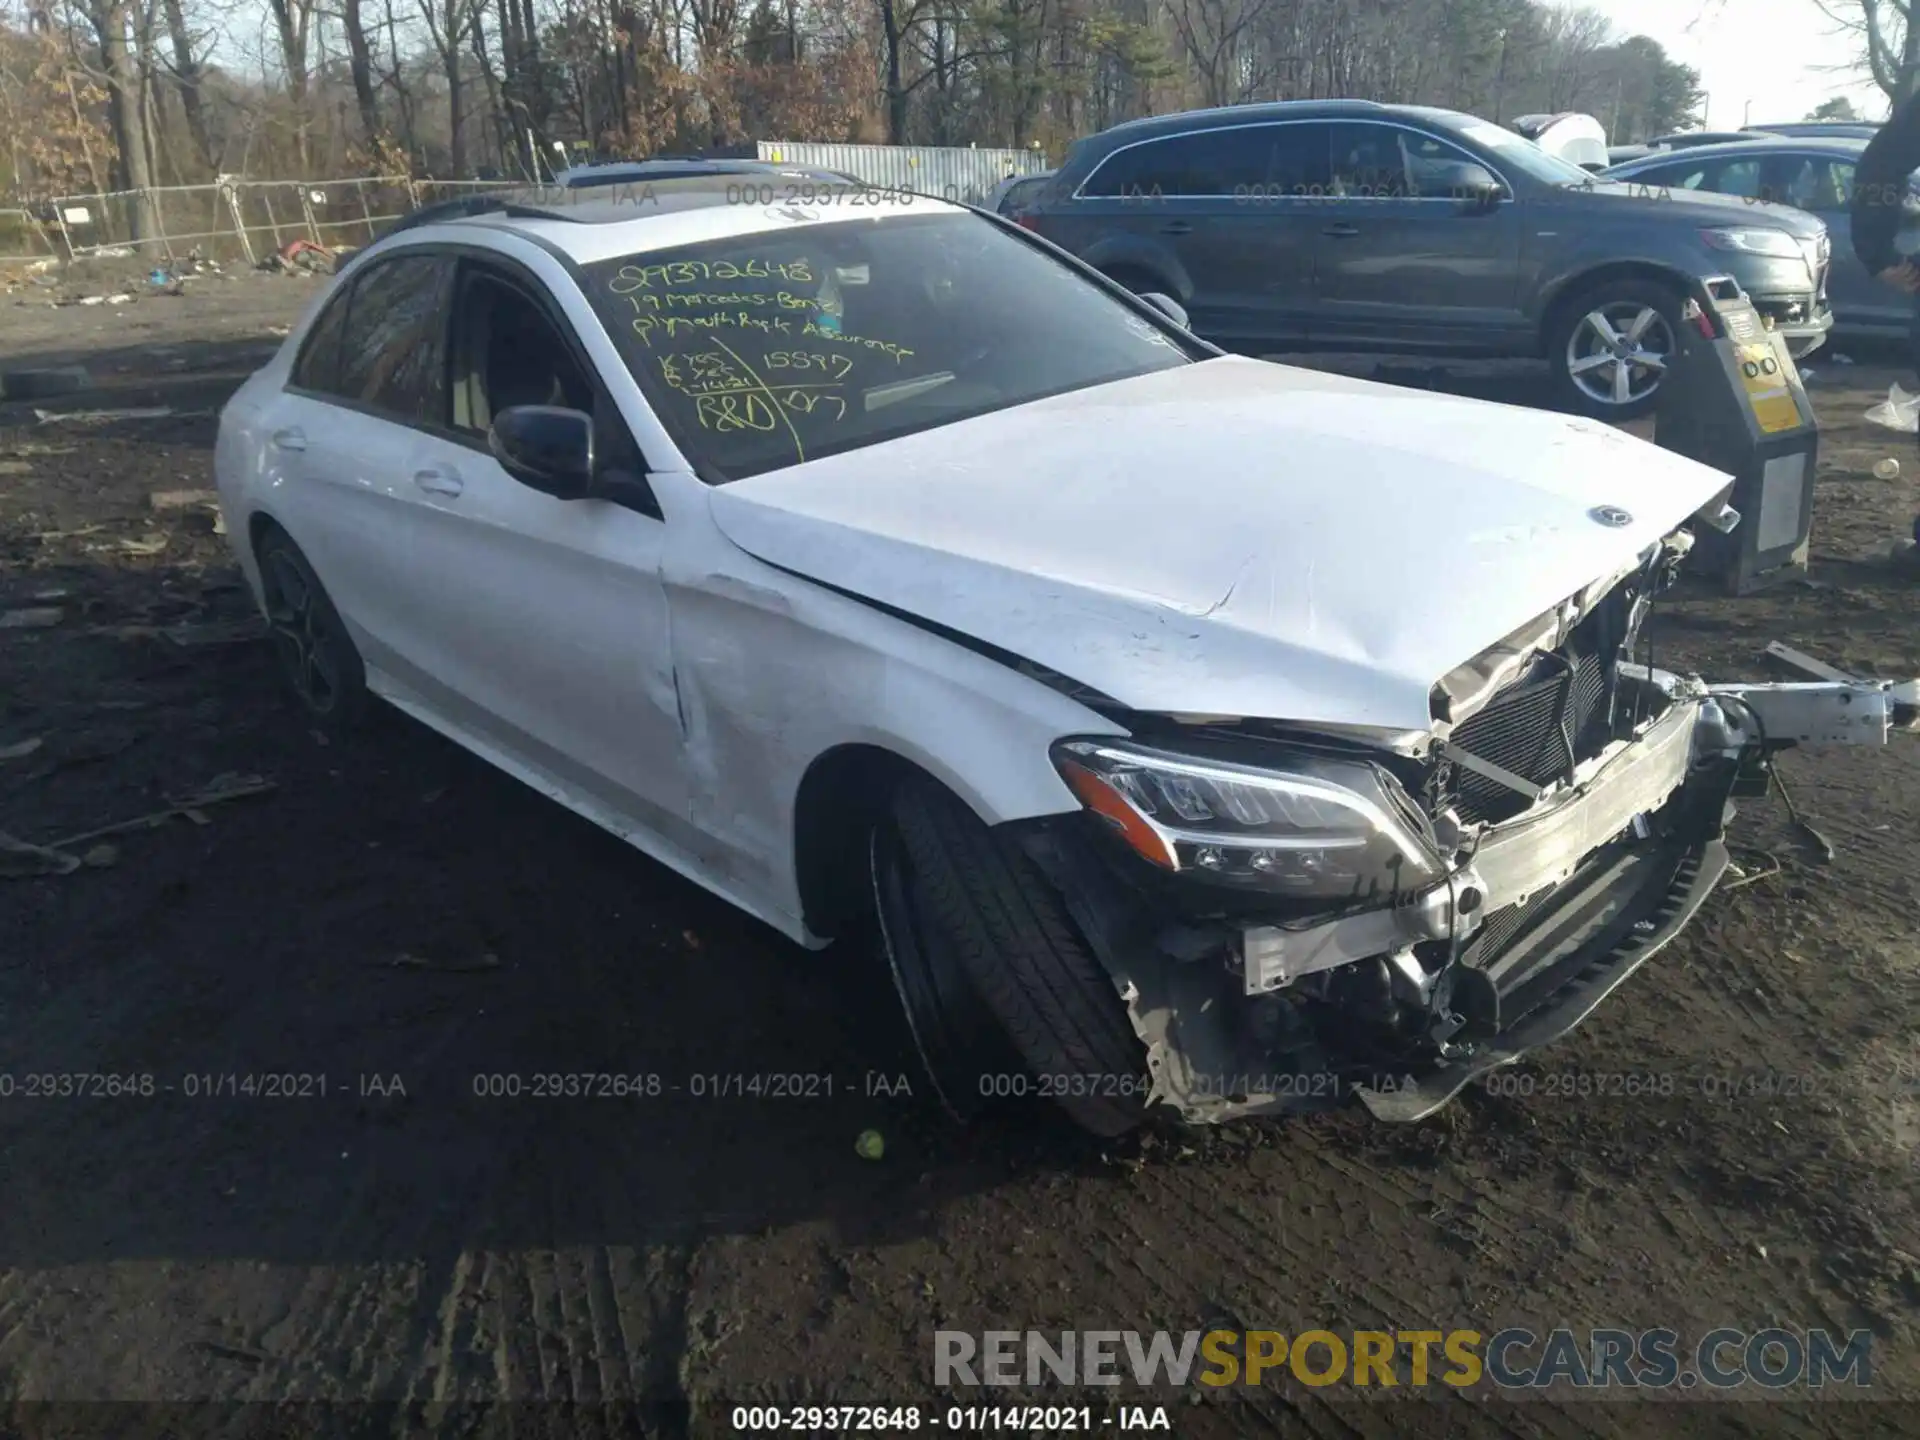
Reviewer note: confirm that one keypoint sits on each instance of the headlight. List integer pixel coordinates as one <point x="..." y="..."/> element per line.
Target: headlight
<point x="1317" y="829"/>
<point x="1755" y="241"/>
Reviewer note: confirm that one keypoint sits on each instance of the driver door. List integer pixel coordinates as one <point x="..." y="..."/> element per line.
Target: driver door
<point x="548" y="617"/>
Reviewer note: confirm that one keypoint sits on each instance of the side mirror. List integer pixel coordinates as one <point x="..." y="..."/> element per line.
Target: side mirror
<point x="1477" y="186"/>
<point x="545" y="447"/>
<point x="1167" y="306"/>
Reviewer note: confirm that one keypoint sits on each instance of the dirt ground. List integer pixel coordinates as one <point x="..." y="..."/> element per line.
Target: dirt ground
<point x="400" y="920"/>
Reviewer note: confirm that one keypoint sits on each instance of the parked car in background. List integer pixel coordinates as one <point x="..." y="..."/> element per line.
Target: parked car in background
<point x="1821" y="129"/>
<point x="1354" y="225"/>
<point x="1687" y="139"/>
<point x="1576" y="138"/>
<point x="1011" y="195"/>
<point x="1620" y="154"/>
<point x="1815" y="175"/>
<point x="638" y="172"/>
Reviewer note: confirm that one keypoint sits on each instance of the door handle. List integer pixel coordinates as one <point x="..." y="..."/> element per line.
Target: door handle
<point x="1341" y="231"/>
<point x="1176" y="227"/>
<point x="438" y="482"/>
<point x="291" y="438"/>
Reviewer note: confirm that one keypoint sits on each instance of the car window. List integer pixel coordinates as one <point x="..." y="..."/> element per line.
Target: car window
<point x="1810" y="182"/>
<point x="318" y="364"/>
<point x="1229" y="161"/>
<point x="1368" y="163"/>
<point x="509" y="353"/>
<point x="1297" y="163"/>
<point x="767" y="350"/>
<point x="393" y="353"/>
<point x="1435" y="169"/>
<point x="1736" y="177"/>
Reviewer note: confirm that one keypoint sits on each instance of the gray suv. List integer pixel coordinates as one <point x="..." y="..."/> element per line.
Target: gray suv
<point x="1353" y="225"/>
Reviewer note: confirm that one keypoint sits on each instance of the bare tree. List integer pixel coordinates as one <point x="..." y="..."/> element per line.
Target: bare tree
<point x="353" y="28"/>
<point x="1888" y="38"/>
<point x="293" y="25"/>
<point x="1216" y="36"/>
<point x="111" y="22"/>
<point x="451" y="24"/>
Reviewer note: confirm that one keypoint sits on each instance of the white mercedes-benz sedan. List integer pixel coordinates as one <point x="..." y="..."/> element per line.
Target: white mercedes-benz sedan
<point x="1184" y="730"/>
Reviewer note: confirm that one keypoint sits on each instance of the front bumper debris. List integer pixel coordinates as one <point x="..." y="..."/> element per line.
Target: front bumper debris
<point x="1543" y="917"/>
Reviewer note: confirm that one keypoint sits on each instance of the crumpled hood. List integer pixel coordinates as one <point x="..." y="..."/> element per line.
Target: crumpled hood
<point x="1231" y="537"/>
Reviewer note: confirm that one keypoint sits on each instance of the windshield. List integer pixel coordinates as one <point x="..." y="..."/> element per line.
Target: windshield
<point x="1523" y="155"/>
<point x="766" y="350"/>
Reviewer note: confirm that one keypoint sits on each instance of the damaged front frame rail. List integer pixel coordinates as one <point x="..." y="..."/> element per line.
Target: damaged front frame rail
<point x="1618" y="858"/>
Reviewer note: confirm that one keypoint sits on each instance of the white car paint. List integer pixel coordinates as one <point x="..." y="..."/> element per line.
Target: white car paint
<point x="1234" y="537"/>
<point x="1231" y="537"/>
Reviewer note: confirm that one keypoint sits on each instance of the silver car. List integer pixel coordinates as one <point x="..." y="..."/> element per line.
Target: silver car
<point x="1808" y="173"/>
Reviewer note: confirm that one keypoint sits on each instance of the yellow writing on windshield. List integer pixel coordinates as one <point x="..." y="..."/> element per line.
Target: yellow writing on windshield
<point x="650" y="304"/>
<point x="672" y="326"/>
<point x="630" y="278"/>
<point x="812" y="331"/>
<point x="729" y="394"/>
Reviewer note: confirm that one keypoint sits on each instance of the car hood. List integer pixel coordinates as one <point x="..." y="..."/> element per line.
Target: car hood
<point x="1697" y="207"/>
<point x="1231" y="537"/>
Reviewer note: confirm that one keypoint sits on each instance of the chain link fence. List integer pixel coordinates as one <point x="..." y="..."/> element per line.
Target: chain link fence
<point x="231" y="218"/>
<point x="234" y="218"/>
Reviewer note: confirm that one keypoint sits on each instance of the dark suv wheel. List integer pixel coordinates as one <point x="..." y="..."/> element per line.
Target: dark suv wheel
<point x="1608" y="348"/>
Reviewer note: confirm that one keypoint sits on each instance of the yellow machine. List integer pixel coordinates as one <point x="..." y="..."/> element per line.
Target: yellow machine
<point x="1732" y="399"/>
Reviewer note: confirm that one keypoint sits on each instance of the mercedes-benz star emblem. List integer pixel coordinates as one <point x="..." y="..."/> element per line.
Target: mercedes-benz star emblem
<point x="1611" y="516"/>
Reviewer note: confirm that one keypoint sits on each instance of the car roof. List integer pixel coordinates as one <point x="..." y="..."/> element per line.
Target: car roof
<point x="1225" y="115"/>
<point x="631" y="218"/>
<point x="1843" y="146"/>
<point x="613" y="172"/>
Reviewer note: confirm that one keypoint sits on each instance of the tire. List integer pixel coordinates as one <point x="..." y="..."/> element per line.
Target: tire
<point x="317" y="656"/>
<point x="992" y="932"/>
<point x="1574" y="337"/>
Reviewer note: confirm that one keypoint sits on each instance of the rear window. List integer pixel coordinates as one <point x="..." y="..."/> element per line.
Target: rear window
<point x="763" y="351"/>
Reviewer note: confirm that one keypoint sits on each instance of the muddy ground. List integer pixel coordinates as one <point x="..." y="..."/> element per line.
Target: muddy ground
<point x="394" y="916"/>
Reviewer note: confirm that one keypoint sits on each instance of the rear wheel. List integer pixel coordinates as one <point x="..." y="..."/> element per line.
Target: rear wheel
<point x="995" y="977"/>
<point x="1609" y="347"/>
<point x="317" y="656"/>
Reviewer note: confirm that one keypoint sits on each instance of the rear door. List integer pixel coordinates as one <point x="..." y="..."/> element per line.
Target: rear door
<point x="1225" y="210"/>
<point x="1402" y="257"/>
<point x="372" y="372"/>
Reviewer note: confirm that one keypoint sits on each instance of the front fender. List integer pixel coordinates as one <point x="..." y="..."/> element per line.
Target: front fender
<point x="775" y="671"/>
<point x="1592" y="266"/>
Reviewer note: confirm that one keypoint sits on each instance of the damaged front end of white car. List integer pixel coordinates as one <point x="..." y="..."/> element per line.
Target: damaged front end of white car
<point x="1298" y="916"/>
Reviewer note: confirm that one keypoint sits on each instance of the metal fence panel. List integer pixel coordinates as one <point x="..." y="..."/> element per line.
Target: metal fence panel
<point x="21" y="237"/>
<point x="967" y="176"/>
<point x="237" y="218"/>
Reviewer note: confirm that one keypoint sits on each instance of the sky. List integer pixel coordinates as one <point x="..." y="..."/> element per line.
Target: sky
<point x="1776" y="54"/>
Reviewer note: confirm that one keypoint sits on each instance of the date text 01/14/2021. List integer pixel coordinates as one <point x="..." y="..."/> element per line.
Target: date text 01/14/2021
<point x="198" y="1085"/>
<point x="906" y="1419"/>
<point x="702" y="1085"/>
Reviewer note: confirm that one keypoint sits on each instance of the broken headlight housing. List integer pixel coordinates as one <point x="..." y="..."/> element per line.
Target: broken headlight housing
<point x="1312" y="828"/>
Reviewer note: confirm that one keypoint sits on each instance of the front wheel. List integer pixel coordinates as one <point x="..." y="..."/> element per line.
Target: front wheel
<point x="993" y="972"/>
<point x="1610" y="346"/>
